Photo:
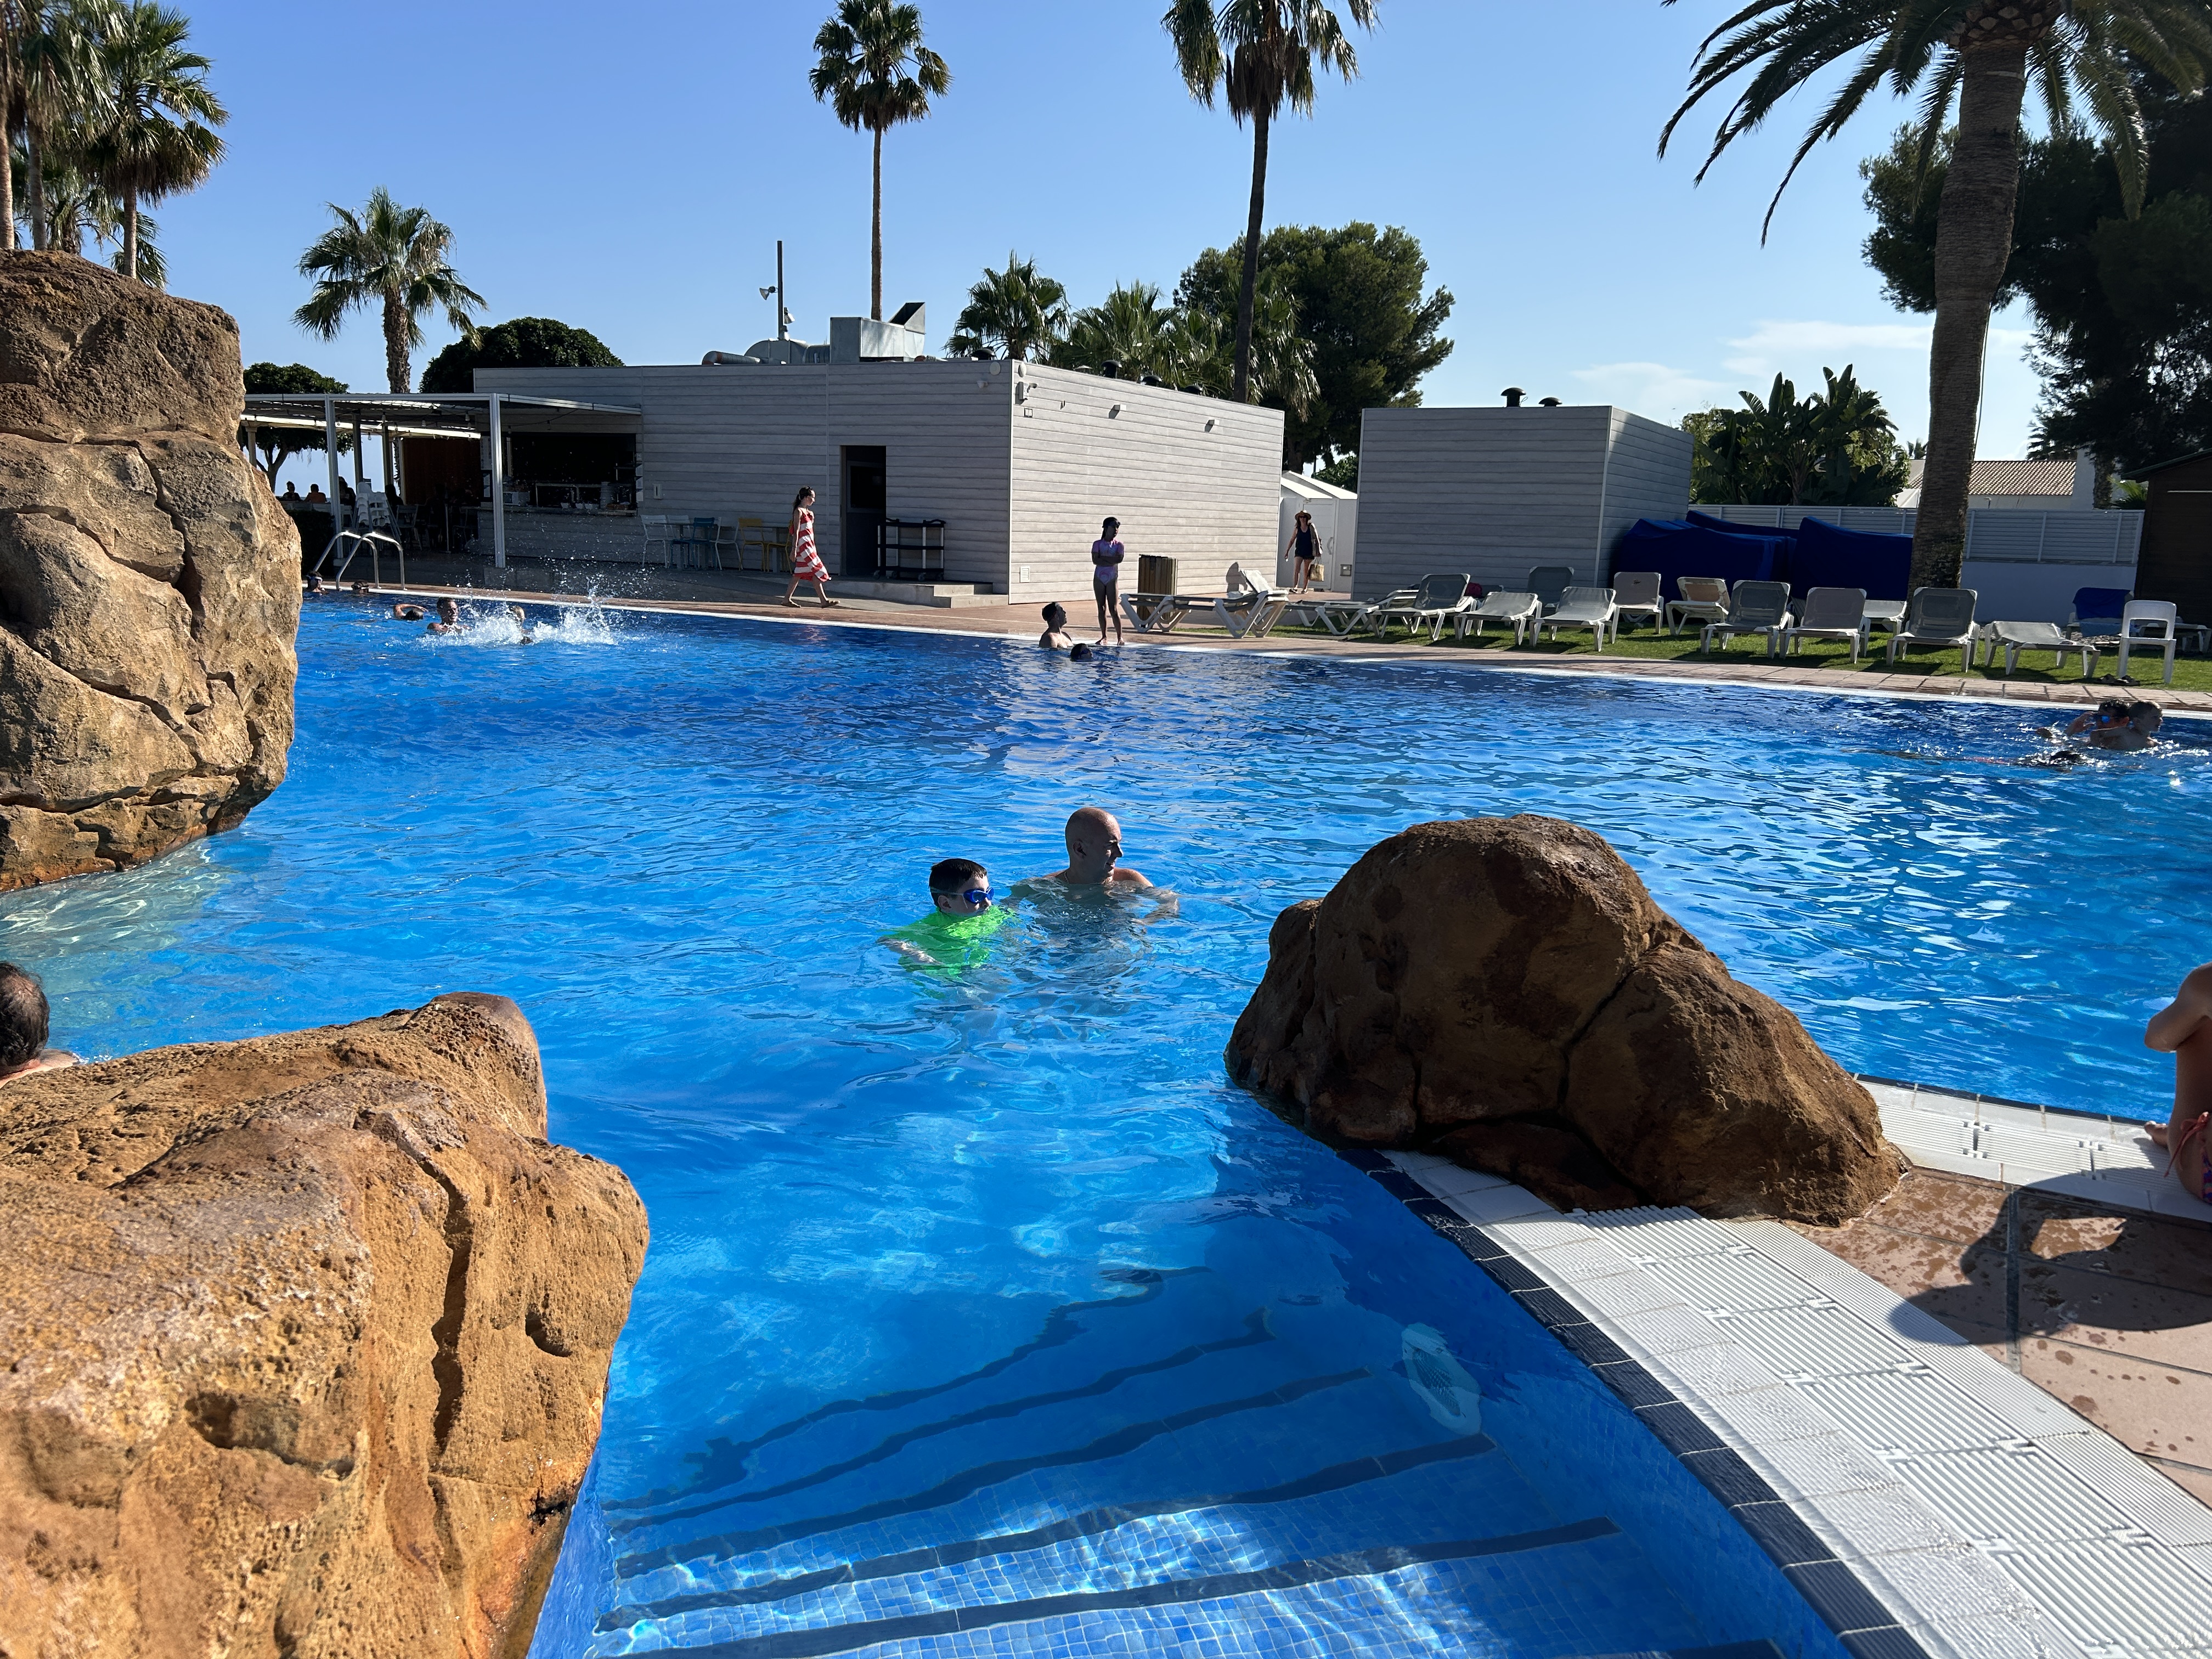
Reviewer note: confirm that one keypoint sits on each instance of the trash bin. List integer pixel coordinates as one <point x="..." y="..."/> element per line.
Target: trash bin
<point x="1155" y="574"/>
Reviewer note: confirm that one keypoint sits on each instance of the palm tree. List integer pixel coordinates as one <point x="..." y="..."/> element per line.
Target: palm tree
<point x="394" y="256"/>
<point x="153" y="132"/>
<point x="48" y="53"/>
<point x="1124" y="328"/>
<point x="1980" y="54"/>
<point x="1014" y="310"/>
<point x="1262" y="53"/>
<point x="875" y="73"/>
<point x="78" y="206"/>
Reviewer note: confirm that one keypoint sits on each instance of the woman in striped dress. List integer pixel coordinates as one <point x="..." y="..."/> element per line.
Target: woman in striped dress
<point x="806" y="564"/>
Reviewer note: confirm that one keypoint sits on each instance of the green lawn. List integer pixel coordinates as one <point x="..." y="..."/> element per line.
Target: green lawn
<point x="2190" y="673"/>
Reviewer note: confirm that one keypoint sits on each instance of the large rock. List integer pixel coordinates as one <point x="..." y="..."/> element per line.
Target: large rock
<point x="306" y="1340"/>
<point x="1505" y="992"/>
<point x="149" y="580"/>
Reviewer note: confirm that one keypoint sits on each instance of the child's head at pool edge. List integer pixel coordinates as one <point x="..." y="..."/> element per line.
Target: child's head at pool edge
<point x="953" y="881"/>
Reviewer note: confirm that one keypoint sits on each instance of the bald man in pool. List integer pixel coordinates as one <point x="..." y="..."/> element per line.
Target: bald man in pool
<point x="1094" y="845"/>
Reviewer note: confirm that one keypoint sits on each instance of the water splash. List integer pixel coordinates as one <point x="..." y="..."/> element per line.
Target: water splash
<point x="502" y="622"/>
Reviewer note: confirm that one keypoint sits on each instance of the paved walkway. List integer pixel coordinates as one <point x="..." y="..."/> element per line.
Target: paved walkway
<point x="731" y="594"/>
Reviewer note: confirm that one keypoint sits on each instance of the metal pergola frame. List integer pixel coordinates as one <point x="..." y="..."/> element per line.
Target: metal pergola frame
<point x="412" y="414"/>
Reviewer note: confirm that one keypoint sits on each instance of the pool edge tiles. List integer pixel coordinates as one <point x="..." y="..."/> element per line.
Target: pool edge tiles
<point x="1902" y="1549"/>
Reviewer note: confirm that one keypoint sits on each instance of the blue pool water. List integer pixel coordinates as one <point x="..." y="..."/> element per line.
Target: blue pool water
<point x="984" y="1291"/>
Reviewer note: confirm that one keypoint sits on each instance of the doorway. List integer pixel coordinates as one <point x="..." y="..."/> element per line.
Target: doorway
<point x="865" y="490"/>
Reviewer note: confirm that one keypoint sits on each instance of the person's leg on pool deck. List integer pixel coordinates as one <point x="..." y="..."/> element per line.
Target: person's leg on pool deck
<point x="2184" y="1030"/>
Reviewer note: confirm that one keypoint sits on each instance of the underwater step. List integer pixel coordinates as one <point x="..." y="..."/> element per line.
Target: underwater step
<point x="1152" y="1311"/>
<point x="1382" y="1577"/>
<point x="1146" y="1529"/>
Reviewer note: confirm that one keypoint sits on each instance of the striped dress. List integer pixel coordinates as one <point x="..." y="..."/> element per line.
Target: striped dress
<point x="805" y="560"/>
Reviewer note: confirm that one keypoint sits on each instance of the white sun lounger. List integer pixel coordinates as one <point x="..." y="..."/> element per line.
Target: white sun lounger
<point x="2015" y="637"/>
<point x="1581" y="607"/>
<point x="1704" y="599"/>
<point x="1522" y="611"/>
<point x="1753" y="608"/>
<point x="1831" y="613"/>
<point x="1160" y="613"/>
<point x="1339" y="617"/>
<point x="1252" y="613"/>
<point x="1438" y="599"/>
<point x="1549" y="582"/>
<point x="1943" y="617"/>
<point x="1636" y="593"/>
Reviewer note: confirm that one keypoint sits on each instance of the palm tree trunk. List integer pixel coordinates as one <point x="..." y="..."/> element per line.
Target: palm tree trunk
<point x="131" y="234"/>
<point x="1250" y="283"/>
<point x="397" y="369"/>
<point x="1973" y="241"/>
<point x="875" y="240"/>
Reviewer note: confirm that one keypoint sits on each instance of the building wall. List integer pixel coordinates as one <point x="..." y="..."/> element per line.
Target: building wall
<point x="736" y="442"/>
<point x="1204" y="498"/>
<point x="1647" y="475"/>
<point x="1495" y="492"/>
<point x="2176" y="561"/>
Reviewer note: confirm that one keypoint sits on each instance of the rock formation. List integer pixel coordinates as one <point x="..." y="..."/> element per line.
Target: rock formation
<point x="1504" y="992"/>
<point x="149" y="580"/>
<point x="303" y="1343"/>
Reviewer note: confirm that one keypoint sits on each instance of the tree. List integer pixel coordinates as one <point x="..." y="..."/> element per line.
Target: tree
<point x="522" y="343"/>
<point x="1836" y="446"/>
<point x="49" y="52"/>
<point x="1982" y="55"/>
<point x="392" y="256"/>
<point x="1124" y="328"/>
<point x="1015" y="311"/>
<point x="77" y="207"/>
<point x="1261" y="53"/>
<point x="271" y="446"/>
<point x="2123" y="322"/>
<point x="1358" y="293"/>
<point x="874" y="73"/>
<point x="152" y="133"/>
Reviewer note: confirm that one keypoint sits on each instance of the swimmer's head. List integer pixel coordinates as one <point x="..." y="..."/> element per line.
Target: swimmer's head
<point x="449" y="610"/>
<point x="961" y="887"/>
<point x="1056" y="615"/>
<point x="2146" y="717"/>
<point x="1082" y="652"/>
<point x="361" y="588"/>
<point x="2114" y="711"/>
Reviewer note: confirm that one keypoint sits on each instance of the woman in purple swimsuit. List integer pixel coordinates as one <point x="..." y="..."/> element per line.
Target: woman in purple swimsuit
<point x="1105" y="578"/>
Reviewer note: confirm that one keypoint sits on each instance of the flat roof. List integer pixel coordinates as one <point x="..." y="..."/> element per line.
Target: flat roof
<point x="420" y="414"/>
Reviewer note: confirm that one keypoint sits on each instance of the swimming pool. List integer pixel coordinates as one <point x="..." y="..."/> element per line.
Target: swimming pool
<point x="986" y="1292"/>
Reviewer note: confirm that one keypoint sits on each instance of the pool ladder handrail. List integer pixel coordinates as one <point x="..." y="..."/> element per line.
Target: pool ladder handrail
<point x="374" y="540"/>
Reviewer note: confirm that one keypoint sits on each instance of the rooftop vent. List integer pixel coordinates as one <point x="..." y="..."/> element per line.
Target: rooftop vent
<point x="1110" y="369"/>
<point x="1513" y="395"/>
<point x="1547" y="403"/>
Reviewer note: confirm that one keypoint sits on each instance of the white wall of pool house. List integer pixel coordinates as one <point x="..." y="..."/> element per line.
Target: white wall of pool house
<point x="1021" y="461"/>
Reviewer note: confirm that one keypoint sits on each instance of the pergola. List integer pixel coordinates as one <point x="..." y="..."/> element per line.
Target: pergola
<point x="391" y="415"/>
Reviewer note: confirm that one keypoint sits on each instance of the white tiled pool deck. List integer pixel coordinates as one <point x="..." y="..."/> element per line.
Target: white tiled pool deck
<point x="1983" y="1516"/>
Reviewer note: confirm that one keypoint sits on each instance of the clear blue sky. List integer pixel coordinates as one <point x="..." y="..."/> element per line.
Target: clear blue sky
<point x="628" y="169"/>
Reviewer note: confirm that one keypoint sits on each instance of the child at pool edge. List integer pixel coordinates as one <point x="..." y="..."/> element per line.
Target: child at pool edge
<point x="951" y="935"/>
<point x="2183" y="1029"/>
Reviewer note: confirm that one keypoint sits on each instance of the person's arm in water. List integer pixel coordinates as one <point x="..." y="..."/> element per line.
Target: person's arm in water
<point x="910" y="950"/>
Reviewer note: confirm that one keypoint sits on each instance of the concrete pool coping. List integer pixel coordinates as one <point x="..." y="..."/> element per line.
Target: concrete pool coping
<point x="998" y="625"/>
<point x="1925" y="1498"/>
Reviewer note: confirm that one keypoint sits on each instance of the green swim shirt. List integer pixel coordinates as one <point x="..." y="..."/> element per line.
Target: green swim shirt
<point x="956" y="941"/>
